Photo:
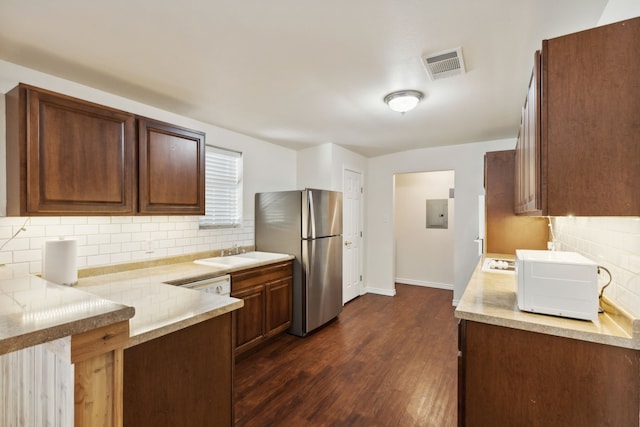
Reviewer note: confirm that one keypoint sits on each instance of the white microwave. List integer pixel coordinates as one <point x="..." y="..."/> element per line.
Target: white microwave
<point x="557" y="283"/>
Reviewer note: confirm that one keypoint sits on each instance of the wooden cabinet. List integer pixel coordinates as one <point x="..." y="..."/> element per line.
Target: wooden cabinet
<point x="266" y="292"/>
<point x="585" y="109"/>
<point x="505" y="231"/>
<point x="511" y="377"/>
<point x="171" y="169"/>
<point x="250" y="319"/>
<point x="278" y="305"/>
<point x="184" y="378"/>
<point x="66" y="156"/>
<point x="527" y="154"/>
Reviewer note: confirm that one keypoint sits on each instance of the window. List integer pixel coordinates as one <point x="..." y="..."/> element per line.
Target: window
<point x="223" y="188"/>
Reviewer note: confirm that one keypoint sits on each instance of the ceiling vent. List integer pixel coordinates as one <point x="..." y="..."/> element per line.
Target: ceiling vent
<point x="444" y="64"/>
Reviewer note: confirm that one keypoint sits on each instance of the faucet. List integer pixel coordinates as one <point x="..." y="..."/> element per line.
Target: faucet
<point x="233" y="250"/>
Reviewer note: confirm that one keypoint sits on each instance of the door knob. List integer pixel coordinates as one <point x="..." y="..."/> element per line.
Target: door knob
<point x="347" y="243"/>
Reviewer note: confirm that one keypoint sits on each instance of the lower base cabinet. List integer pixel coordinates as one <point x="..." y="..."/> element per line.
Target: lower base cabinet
<point x="181" y="379"/>
<point x="267" y="311"/>
<point x="510" y="377"/>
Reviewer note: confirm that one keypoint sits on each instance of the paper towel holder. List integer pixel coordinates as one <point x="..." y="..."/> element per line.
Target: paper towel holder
<point x="59" y="261"/>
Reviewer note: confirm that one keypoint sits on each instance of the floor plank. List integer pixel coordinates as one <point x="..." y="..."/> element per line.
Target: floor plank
<point x="386" y="361"/>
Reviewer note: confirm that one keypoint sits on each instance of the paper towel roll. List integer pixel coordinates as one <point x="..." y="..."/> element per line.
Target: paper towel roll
<point x="59" y="261"/>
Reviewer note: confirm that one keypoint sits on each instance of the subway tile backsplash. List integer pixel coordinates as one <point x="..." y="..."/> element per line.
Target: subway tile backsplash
<point x="104" y="240"/>
<point x="612" y="242"/>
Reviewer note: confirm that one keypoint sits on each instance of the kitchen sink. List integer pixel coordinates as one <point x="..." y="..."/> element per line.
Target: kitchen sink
<point x="263" y="256"/>
<point x="245" y="259"/>
<point x="225" y="261"/>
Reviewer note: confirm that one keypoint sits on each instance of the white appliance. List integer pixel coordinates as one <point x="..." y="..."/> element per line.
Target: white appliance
<point x="557" y="283"/>
<point x="220" y="285"/>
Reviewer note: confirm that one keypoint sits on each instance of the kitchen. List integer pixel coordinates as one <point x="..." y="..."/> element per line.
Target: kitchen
<point x="114" y="240"/>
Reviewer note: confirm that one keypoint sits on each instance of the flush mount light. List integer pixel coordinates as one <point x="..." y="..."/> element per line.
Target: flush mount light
<point x="404" y="100"/>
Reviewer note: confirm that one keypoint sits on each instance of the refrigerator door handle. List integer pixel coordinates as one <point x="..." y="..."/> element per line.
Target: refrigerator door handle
<point x="312" y="217"/>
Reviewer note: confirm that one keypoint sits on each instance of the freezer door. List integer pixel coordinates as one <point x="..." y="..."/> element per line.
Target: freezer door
<point x="322" y="264"/>
<point x="321" y="213"/>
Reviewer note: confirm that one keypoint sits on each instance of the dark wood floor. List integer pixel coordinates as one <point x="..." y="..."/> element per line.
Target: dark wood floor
<point x="386" y="361"/>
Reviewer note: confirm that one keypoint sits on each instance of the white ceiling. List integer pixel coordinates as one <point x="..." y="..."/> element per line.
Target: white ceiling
<point x="301" y="72"/>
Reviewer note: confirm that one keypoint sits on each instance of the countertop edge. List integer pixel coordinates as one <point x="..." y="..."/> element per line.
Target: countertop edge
<point x="42" y="336"/>
<point x="473" y="307"/>
<point x="593" y="337"/>
<point x="182" y="324"/>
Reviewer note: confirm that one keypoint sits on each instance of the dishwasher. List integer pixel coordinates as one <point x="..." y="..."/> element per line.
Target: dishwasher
<point x="220" y="285"/>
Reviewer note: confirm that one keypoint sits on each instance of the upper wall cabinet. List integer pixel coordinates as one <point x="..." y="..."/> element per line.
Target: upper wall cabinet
<point x="66" y="156"/>
<point x="506" y="232"/>
<point x="171" y="169"/>
<point x="578" y="151"/>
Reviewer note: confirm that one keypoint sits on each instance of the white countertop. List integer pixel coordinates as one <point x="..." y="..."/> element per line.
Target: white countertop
<point x="34" y="311"/>
<point x="490" y="297"/>
<point x="163" y="308"/>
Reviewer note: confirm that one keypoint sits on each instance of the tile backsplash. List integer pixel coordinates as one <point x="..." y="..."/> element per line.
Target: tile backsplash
<point x="612" y="242"/>
<point x="107" y="240"/>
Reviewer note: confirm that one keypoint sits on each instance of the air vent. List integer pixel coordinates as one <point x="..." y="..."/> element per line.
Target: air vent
<point x="444" y="64"/>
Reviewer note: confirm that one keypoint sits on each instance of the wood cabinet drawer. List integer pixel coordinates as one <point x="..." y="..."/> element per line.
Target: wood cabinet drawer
<point x="260" y="275"/>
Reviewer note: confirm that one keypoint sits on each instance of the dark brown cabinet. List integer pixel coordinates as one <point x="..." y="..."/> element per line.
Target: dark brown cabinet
<point x="505" y="231"/>
<point x="584" y="109"/>
<point x="171" y="169"/>
<point x="527" y="154"/>
<point x="66" y="156"/>
<point x="266" y="292"/>
<point x="184" y="378"/>
<point x="511" y="377"/>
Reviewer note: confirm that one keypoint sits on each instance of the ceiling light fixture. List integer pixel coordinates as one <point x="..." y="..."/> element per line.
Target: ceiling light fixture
<point x="403" y="100"/>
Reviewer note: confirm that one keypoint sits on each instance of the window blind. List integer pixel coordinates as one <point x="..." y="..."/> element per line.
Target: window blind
<point x="223" y="188"/>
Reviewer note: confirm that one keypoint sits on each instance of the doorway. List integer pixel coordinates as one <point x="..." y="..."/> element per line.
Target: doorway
<point x="424" y="212"/>
<point x="352" y="235"/>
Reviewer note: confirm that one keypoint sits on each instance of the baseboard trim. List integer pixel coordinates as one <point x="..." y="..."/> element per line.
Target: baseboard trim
<point x="426" y="284"/>
<point x="379" y="291"/>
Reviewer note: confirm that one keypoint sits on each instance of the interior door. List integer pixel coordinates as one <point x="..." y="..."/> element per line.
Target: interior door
<point x="352" y="237"/>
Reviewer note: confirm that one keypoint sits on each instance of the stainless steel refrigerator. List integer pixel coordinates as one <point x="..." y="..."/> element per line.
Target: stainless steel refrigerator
<point x="307" y="224"/>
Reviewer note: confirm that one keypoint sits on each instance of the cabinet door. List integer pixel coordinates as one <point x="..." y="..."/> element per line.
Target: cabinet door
<point x="68" y="157"/>
<point x="528" y="174"/>
<point x="249" y="320"/>
<point x="506" y="232"/>
<point x="278" y="310"/>
<point x="513" y="377"/>
<point x="184" y="378"/>
<point x="591" y="121"/>
<point x="171" y="169"/>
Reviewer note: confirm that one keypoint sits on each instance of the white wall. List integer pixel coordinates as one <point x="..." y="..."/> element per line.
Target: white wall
<point x="108" y="240"/>
<point x="322" y="166"/>
<point x="467" y="161"/>
<point x="314" y="167"/>
<point x="424" y="256"/>
<point x="619" y="10"/>
<point x="612" y="242"/>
